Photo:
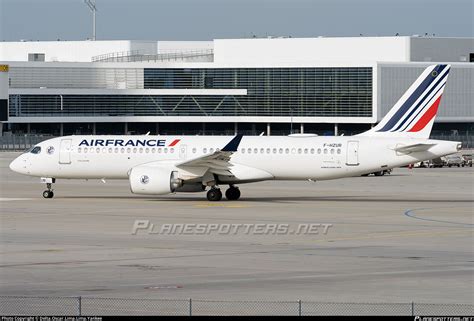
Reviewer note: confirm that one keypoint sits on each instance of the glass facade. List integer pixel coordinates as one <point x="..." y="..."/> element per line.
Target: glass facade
<point x="271" y="92"/>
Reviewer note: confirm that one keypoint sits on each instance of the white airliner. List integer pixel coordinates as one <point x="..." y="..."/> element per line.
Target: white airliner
<point x="158" y="165"/>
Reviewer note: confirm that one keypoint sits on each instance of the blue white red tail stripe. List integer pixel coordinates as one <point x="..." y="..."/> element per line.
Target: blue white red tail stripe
<point x="427" y="97"/>
<point x="422" y="90"/>
<point x="413" y="114"/>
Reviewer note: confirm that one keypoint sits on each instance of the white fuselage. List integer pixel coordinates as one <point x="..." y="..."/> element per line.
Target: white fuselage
<point x="277" y="157"/>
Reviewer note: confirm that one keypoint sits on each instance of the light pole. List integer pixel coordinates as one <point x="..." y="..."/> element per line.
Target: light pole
<point x="92" y="7"/>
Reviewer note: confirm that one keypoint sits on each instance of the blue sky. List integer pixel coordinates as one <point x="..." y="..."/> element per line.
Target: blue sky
<point x="210" y="19"/>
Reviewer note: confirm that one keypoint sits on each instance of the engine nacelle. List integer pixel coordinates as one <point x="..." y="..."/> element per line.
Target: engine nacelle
<point x="155" y="180"/>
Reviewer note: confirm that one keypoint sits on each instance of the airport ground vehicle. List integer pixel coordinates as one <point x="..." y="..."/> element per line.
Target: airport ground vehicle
<point x="454" y="160"/>
<point x="467" y="159"/>
<point x="438" y="162"/>
<point x="423" y="164"/>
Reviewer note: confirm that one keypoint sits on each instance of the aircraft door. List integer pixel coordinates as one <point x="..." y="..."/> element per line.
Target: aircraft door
<point x="65" y="151"/>
<point x="352" y="157"/>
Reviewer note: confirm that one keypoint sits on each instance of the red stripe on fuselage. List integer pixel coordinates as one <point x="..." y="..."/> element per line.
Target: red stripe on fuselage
<point x="174" y="142"/>
<point x="427" y="117"/>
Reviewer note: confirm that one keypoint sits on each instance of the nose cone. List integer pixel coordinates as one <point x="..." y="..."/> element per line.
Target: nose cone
<point x="18" y="165"/>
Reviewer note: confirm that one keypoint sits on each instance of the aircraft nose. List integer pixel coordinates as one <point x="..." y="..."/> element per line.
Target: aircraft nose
<point x="18" y="165"/>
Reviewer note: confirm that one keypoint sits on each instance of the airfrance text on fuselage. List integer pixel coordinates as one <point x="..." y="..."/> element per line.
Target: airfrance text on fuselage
<point x="125" y="143"/>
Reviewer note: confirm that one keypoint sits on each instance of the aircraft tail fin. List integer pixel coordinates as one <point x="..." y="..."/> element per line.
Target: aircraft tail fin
<point x="414" y="113"/>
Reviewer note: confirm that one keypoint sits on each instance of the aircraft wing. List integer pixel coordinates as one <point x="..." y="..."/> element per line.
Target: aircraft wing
<point x="414" y="148"/>
<point x="217" y="162"/>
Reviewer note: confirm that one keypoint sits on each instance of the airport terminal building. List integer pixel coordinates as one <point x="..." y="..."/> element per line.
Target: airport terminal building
<point x="271" y="85"/>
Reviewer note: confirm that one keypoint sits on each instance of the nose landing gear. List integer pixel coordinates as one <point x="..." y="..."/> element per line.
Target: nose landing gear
<point x="48" y="193"/>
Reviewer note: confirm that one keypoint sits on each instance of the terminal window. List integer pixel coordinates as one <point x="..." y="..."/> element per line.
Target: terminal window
<point x="36" y="57"/>
<point x="270" y="92"/>
<point x="3" y="109"/>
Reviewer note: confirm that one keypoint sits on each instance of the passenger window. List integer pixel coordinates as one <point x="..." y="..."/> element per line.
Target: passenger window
<point x="36" y="150"/>
<point x="140" y="150"/>
<point x="104" y="150"/>
<point x="153" y="150"/>
<point x="159" y="150"/>
<point x="204" y="150"/>
<point x="338" y="150"/>
<point x="97" y="150"/>
<point x="243" y="150"/>
<point x="134" y="150"/>
<point x="147" y="150"/>
<point x="79" y="150"/>
<point x="262" y="151"/>
<point x="110" y="150"/>
<point x="249" y="150"/>
<point x="85" y="149"/>
<point x="300" y="150"/>
<point x="332" y="151"/>
<point x="268" y="150"/>
<point x="129" y="150"/>
<point x="255" y="151"/>
<point x="280" y="150"/>
<point x="274" y="151"/>
<point x="165" y="150"/>
<point x="312" y="151"/>
<point x="122" y="150"/>
<point x="194" y="150"/>
<point x="287" y="150"/>
<point x="319" y="150"/>
<point x="211" y="150"/>
<point x="325" y="151"/>
<point x="293" y="150"/>
<point x="306" y="151"/>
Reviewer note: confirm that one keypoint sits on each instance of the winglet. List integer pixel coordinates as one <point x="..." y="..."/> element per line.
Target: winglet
<point x="233" y="144"/>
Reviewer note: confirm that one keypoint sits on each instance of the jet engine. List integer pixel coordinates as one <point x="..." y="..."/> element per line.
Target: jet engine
<point x="156" y="180"/>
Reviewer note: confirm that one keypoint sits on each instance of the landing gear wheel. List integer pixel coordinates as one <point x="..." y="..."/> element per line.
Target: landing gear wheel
<point x="214" y="195"/>
<point x="232" y="194"/>
<point x="48" y="194"/>
<point x="381" y="173"/>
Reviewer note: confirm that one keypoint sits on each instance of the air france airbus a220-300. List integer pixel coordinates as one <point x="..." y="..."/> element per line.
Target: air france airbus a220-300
<point x="158" y="165"/>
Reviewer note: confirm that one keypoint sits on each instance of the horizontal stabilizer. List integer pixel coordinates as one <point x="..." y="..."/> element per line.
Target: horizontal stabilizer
<point x="414" y="148"/>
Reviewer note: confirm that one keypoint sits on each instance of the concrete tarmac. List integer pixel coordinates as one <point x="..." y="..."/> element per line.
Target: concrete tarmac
<point x="399" y="238"/>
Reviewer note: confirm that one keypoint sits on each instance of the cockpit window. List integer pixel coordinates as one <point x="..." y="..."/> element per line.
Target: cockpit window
<point x="36" y="150"/>
<point x="29" y="150"/>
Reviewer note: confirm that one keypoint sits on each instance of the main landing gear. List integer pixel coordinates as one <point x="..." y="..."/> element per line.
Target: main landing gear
<point x="215" y="194"/>
<point x="232" y="193"/>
